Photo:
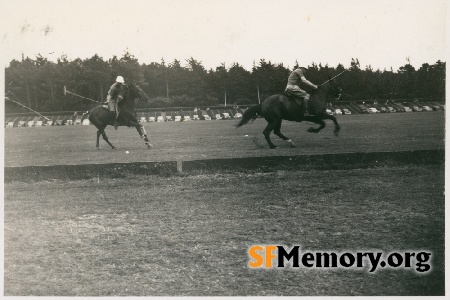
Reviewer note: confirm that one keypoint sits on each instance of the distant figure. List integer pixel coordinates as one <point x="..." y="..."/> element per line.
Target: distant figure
<point x="114" y="96"/>
<point x="296" y="80"/>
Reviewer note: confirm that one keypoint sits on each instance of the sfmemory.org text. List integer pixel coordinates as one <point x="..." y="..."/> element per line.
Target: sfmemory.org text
<point x="278" y="256"/>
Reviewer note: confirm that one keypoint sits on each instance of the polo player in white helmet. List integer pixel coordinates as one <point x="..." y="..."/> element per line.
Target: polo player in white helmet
<point x="114" y="96"/>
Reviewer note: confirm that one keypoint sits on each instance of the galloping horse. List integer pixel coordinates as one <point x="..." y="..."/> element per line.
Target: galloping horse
<point x="101" y="117"/>
<point x="281" y="107"/>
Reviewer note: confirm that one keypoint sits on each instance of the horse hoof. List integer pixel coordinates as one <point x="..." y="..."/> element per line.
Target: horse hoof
<point x="336" y="132"/>
<point x="149" y="146"/>
<point x="114" y="148"/>
<point x="312" y="130"/>
<point x="97" y="148"/>
<point x="273" y="147"/>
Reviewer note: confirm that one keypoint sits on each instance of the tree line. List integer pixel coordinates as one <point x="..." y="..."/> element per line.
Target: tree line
<point x="39" y="83"/>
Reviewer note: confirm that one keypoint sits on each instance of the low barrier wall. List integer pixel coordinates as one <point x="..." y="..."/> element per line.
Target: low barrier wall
<point x="340" y="161"/>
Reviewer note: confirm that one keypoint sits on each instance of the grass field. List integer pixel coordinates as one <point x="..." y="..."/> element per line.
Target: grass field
<point x="189" y="234"/>
<point x="195" y="140"/>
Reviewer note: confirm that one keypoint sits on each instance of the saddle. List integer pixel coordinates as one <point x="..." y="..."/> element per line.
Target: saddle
<point x="300" y="102"/>
<point x="106" y="106"/>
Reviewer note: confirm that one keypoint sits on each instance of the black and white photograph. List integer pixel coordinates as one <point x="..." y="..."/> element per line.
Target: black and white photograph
<point x="206" y="148"/>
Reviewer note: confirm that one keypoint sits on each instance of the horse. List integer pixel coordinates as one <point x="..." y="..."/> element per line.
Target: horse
<point x="100" y="116"/>
<point x="280" y="107"/>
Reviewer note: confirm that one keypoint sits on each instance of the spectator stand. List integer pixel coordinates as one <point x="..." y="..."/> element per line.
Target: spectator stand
<point x="39" y="121"/>
<point x="59" y="120"/>
<point x="141" y="117"/>
<point x="23" y="121"/>
<point x="160" y="117"/>
<point x="19" y="119"/>
<point x="164" y="116"/>
<point x="77" y="119"/>
<point x="52" y="121"/>
<point x="12" y="122"/>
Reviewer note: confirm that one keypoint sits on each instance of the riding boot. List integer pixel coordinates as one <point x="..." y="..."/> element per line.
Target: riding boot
<point x="302" y="104"/>
<point x="305" y="107"/>
<point x="116" y="125"/>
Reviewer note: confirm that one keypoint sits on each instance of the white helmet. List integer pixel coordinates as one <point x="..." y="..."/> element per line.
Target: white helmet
<point x="120" y="79"/>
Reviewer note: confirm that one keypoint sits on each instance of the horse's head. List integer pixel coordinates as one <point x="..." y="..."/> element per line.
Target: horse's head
<point x="332" y="89"/>
<point x="132" y="91"/>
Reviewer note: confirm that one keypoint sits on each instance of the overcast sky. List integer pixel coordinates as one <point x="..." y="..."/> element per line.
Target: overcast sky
<point x="379" y="33"/>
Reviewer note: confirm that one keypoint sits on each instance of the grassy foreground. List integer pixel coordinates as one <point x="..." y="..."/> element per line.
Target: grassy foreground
<point x="189" y="235"/>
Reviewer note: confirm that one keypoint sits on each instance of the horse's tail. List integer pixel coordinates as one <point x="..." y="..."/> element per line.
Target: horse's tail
<point x="250" y="115"/>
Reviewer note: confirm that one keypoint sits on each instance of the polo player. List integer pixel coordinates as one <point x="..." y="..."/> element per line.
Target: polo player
<point x="296" y="80"/>
<point x="114" y="96"/>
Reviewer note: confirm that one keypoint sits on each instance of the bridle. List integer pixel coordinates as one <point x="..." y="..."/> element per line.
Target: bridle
<point x="127" y="88"/>
<point x="142" y="91"/>
<point x="329" y="91"/>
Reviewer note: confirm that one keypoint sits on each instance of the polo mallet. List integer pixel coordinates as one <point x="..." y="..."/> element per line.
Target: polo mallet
<point x="335" y="76"/>
<point x="69" y="92"/>
<point x="357" y="64"/>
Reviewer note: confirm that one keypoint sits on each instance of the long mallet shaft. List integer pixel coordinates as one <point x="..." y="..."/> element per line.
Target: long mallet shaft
<point x="357" y="63"/>
<point x="335" y="76"/>
<point x="68" y="92"/>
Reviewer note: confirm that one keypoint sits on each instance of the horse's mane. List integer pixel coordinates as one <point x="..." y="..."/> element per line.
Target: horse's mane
<point x="128" y="102"/>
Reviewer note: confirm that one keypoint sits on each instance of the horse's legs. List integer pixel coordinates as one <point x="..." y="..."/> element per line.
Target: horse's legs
<point x="319" y="120"/>
<point x="337" y="127"/>
<point x="97" y="146"/>
<point x="277" y="131"/>
<point x="141" y="130"/>
<point x="272" y="124"/>
<point x="102" y="132"/>
<point x="315" y="119"/>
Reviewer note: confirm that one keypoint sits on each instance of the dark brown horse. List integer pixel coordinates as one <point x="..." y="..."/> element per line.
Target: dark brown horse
<point x="100" y="116"/>
<point x="282" y="107"/>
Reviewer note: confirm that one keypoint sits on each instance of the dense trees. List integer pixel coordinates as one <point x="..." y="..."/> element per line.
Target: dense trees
<point x="39" y="83"/>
